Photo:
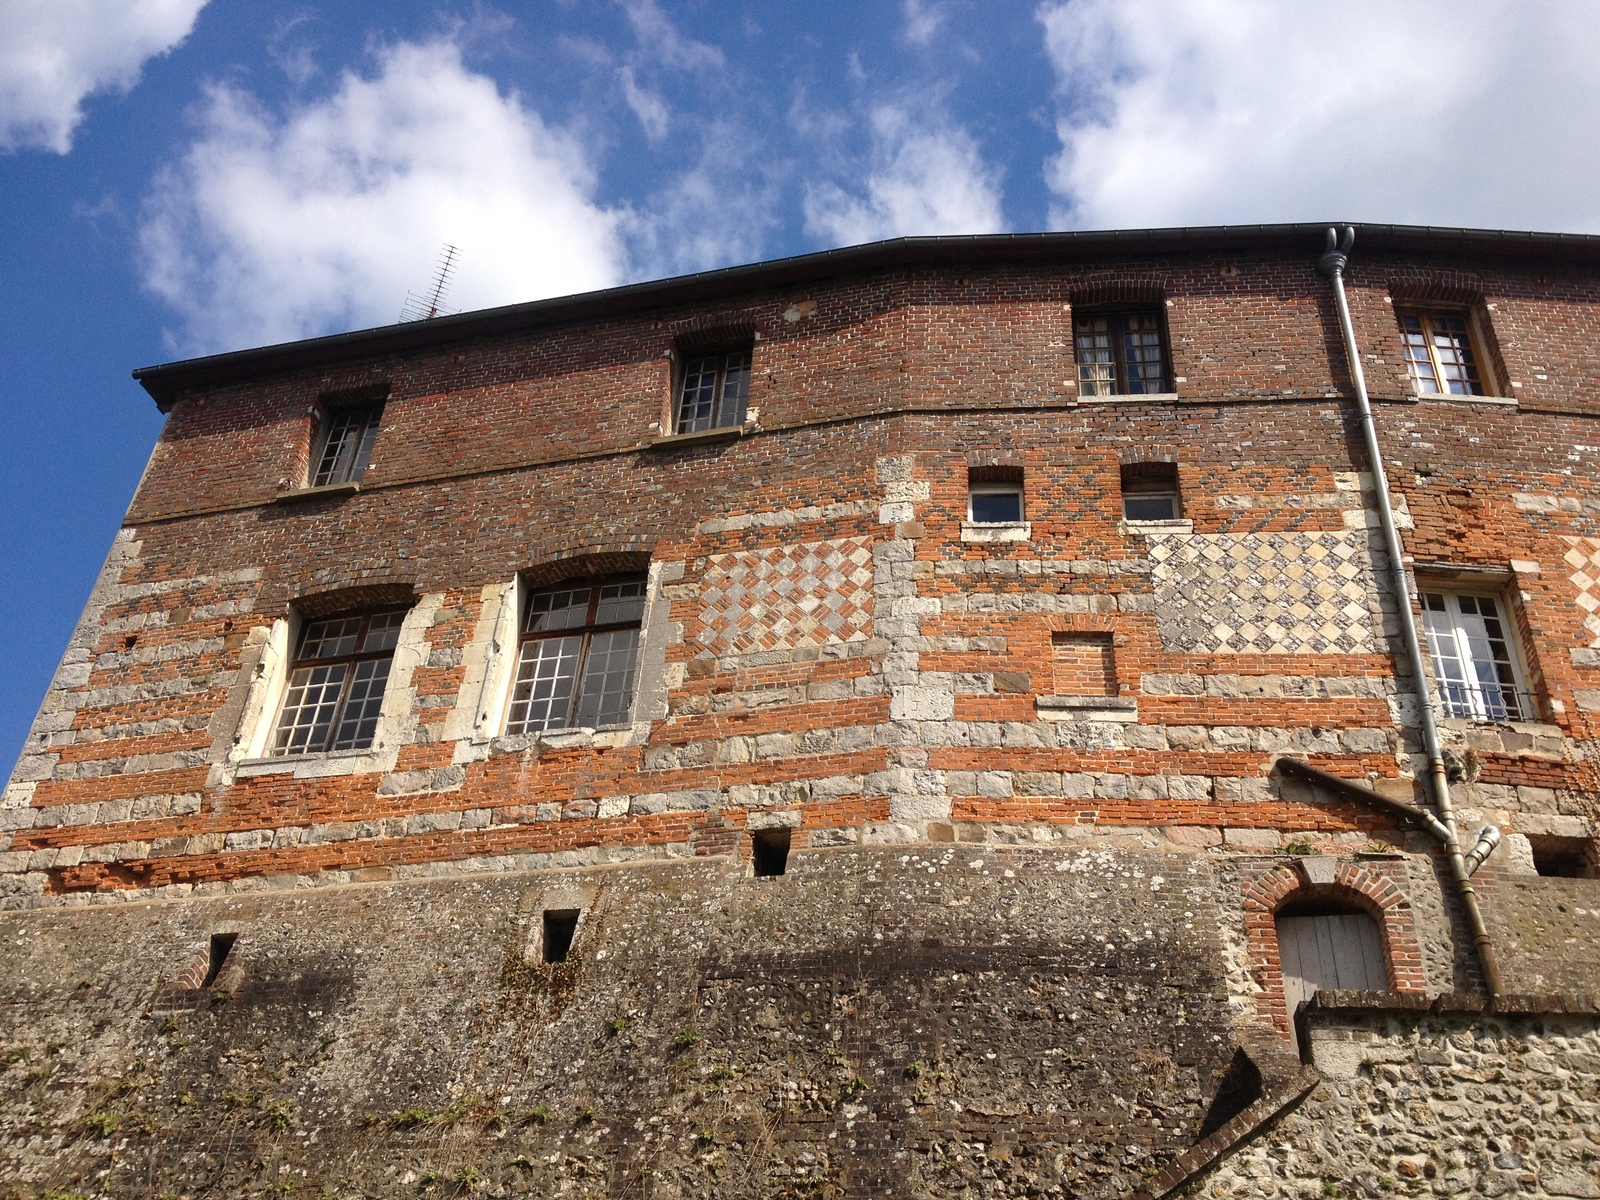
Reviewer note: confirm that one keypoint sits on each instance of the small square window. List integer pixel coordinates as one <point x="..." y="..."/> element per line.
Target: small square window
<point x="1150" y="492"/>
<point x="1121" y="353"/>
<point x="994" y="503"/>
<point x="336" y="683"/>
<point x="1475" y="662"/>
<point x="346" y="445"/>
<point x="712" y="391"/>
<point x="1441" y="354"/>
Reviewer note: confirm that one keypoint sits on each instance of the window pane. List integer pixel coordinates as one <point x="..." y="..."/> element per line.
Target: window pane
<point x="1453" y="349"/>
<point x="1150" y="506"/>
<point x="568" y="609"/>
<point x="330" y="639"/>
<point x="608" y="678"/>
<point x="620" y="602"/>
<point x="1418" y="359"/>
<point x="348" y="443"/>
<point x="309" y="709"/>
<point x="735" y="389"/>
<point x="997" y="506"/>
<point x="543" y="692"/>
<point x="361" y="706"/>
<point x="1097" y="374"/>
<point x="1141" y="351"/>
<point x="699" y="392"/>
<point x="383" y="632"/>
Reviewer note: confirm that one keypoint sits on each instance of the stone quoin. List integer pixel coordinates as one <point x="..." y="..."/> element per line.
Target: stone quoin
<point x="929" y="719"/>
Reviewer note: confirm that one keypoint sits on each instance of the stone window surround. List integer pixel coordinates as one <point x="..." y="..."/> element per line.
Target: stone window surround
<point x="268" y="680"/>
<point x="1366" y="881"/>
<point x="489" y="661"/>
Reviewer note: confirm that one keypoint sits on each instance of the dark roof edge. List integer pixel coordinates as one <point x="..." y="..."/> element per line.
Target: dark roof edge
<point x="165" y="381"/>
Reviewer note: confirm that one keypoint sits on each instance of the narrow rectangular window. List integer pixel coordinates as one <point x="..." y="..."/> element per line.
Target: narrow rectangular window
<point x="336" y="683"/>
<point x="1120" y="353"/>
<point x="713" y="390"/>
<point x="1440" y="353"/>
<point x="347" y="437"/>
<point x="575" y="667"/>
<point x="1474" y="663"/>
<point x="994" y="503"/>
<point x="560" y="927"/>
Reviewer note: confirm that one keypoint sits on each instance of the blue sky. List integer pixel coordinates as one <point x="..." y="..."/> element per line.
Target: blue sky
<point x="183" y="176"/>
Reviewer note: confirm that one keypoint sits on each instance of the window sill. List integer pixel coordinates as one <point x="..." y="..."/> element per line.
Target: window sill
<point x="703" y="437"/>
<point x="1146" y="528"/>
<point x="302" y="766"/>
<point x="1451" y="397"/>
<point x="583" y="737"/>
<point x="1131" y="398"/>
<point x="1120" y="710"/>
<point x="317" y="493"/>
<point x="996" y="531"/>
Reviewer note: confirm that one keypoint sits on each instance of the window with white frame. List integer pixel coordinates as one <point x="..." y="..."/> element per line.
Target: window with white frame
<point x="336" y="683"/>
<point x="994" y="503"/>
<point x="577" y="654"/>
<point x="1475" y="661"/>
<point x="1150" y="491"/>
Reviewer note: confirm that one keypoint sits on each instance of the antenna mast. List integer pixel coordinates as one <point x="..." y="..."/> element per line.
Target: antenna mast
<point x="425" y="308"/>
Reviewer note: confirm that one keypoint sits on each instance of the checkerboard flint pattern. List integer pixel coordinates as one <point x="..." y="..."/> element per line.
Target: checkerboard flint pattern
<point x="1583" y="556"/>
<point x="1267" y="593"/>
<point x="812" y="593"/>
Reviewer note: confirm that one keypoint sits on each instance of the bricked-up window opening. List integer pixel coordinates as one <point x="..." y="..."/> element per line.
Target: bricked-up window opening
<point x="1121" y="353"/>
<point x="770" y="850"/>
<point x="1565" y="857"/>
<point x="713" y="390"/>
<point x="1475" y="666"/>
<point x="576" y="663"/>
<point x="336" y="683"/>
<point x="1440" y="353"/>
<point x="221" y="947"/>
<point x="1150" y="491"/>
<point x="1084" y="664"/>
<point x="347" y="440"/>
<point x="560" y="926"/>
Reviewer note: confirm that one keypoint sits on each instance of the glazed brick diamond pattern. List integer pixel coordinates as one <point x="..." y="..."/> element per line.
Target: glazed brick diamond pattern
<point x="809" y="594"/>
<point x="1584" y="559"/>
<point x="1270" y="593"/>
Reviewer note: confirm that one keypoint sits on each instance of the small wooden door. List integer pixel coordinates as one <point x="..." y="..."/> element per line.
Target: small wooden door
<point x="1344" y="952"/>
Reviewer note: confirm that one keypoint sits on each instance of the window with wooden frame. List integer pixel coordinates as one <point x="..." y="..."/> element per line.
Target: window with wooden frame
<point x="336" y="683"/>
<point x="1476" y="666"/>
<point x="345" y="444"/>
<point x="575" y="662"/>
<point x="713" y="390"/>
<point x="1442" y="352"/>
<point x="1121" y="353"/>
<point x="1150" y="491"/>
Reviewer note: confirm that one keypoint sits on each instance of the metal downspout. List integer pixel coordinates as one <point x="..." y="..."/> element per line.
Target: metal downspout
<point x="1332" y="265"/>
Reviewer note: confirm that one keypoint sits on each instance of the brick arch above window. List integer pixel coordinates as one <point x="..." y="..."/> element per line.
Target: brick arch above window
<point x="1428" y="286"/>
<point x="586" y="564"/>
<point x="1133" y="288"/>
<point x="1367" y="886"/>
<point x="704" y="334"/>
<point x="327" y="602"/>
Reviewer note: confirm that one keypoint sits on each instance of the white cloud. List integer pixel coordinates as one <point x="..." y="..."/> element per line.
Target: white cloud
<point x="648" y="106"/>
<point x="669" y="48"/>
<point x="923" y="179"/>
<point x="277" y="228"/>
<point x="56" y="53"/>
<point x="1468" y="112"/>
<point x="923" y="18"/>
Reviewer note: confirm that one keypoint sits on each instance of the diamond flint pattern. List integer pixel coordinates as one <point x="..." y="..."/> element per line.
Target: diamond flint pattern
<point x="1583" y="556"/>
<point x="813" y="593"/>
<point x="1263" y="593"/>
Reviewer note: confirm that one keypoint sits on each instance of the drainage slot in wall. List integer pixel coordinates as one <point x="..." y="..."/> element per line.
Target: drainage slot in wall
<point x="770" y="848"/>
<point x="560" y="924"/>
<point x="221" y="947"/>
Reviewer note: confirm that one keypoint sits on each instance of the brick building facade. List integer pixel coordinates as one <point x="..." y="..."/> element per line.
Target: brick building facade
<point x="868" y="662"/>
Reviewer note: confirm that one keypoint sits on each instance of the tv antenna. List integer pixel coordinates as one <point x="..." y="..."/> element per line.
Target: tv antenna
<point x="426" y="307"/>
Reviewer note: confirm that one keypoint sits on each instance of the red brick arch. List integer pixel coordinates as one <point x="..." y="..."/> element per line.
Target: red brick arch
<point x="1374" y="887"/>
